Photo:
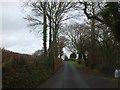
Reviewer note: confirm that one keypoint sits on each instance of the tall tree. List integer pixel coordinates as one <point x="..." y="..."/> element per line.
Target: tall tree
<point x="37" y="17"/>
<point x="44" y="28"/>
<point x="54" y="13"/>
<point x="61" y="42"/>
<point x="108" y="14"/>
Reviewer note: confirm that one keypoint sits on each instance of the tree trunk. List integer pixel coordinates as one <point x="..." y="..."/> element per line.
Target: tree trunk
<point x="45" y="30"/>
<point x="55" y="32"/>
<point x="50" y="30"/>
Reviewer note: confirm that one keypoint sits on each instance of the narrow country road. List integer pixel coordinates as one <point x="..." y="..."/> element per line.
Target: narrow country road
<point x="69" y="76"/>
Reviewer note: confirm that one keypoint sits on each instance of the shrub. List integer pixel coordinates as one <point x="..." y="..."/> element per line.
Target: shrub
<point x="107" y="70"/>
<point x="66" y="58"/>
<point x="23" y="71"/>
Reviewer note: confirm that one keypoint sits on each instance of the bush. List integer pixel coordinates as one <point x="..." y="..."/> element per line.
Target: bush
<point x="79" y="61"/>
<point x="107" y="70"/>
<point x="72" y="59"/>
<point x="23" y="71"/>
<point x="66" y="58"/>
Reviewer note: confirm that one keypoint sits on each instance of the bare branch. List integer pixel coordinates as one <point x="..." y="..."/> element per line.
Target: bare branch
<point x="89" y="16"/>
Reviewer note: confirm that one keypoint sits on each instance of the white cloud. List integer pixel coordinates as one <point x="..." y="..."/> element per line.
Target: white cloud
<point x="15" y="35"/>
<point x="0" y="24"/>
<point x="10" y="0"/>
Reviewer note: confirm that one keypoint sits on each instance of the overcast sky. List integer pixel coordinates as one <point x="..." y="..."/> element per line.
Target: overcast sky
<point x="16" y="36"/>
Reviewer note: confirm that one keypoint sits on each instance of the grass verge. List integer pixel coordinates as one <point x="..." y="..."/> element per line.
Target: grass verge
<point x="95" y="72"/>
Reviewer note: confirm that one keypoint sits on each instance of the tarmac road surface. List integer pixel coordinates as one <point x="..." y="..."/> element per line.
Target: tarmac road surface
<point x="68" y="76"/>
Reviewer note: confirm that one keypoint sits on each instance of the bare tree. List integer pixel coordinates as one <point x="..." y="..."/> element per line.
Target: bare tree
<point x="108" y="14"/>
